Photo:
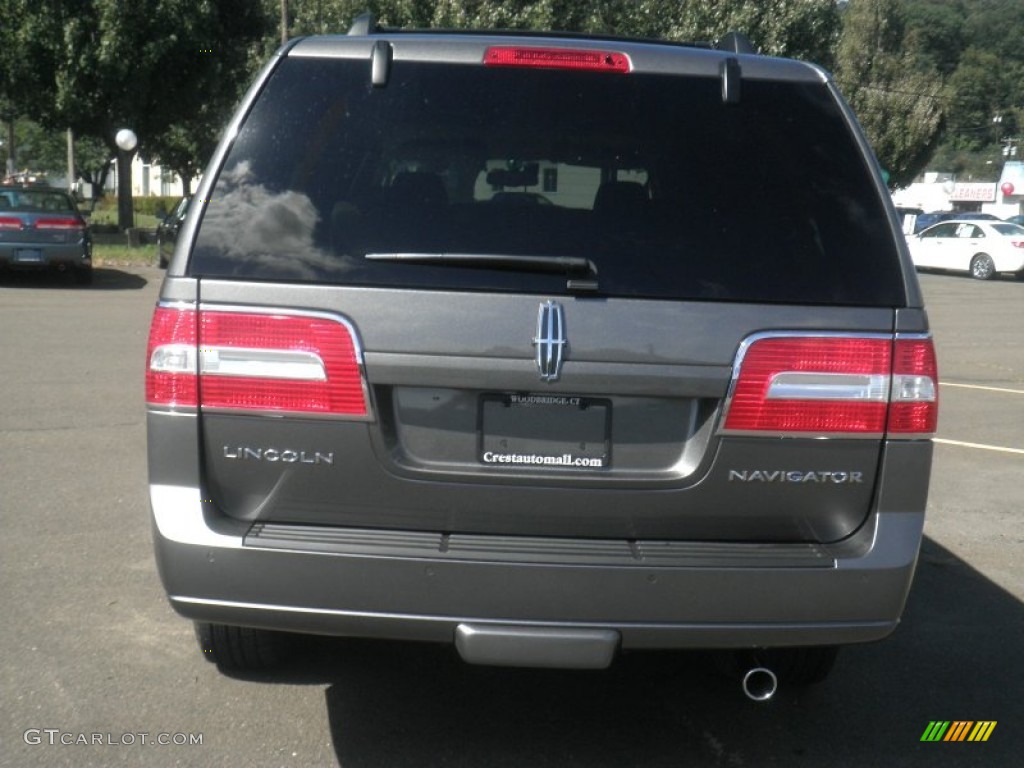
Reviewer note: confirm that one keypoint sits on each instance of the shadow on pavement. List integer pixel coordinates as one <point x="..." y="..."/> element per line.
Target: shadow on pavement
<point x="103" y="279"/>
<point x="957" y="656"/>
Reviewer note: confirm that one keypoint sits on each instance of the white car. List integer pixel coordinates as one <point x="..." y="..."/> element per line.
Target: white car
<point x="983" y="248"/>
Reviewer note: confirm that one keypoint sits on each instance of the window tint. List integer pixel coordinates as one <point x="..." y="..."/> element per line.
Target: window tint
<point x="37" y="201"/>
<point x="668" y="191"/>
<point x="942" y="230"/>
<point x="1008" y="229"/>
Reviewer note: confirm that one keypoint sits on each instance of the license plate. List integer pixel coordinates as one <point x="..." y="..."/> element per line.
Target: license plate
<point x="531" y="431"/>
<point x="28" y="256"/>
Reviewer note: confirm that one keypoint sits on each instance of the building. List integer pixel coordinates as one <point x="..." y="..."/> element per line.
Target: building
<point x="150" y="179"/>
<point x="942" y="192"/>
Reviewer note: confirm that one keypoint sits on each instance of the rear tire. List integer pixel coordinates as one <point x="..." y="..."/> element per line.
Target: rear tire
<point x="982" y="267"/>
<point x="239" y="648"/>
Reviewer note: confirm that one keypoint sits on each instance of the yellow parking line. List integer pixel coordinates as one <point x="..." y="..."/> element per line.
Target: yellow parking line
<point x="980" y="446"/>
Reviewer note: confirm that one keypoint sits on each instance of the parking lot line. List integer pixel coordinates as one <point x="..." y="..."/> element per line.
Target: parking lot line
<point x="980" y="446"/>
<point x="987" y="389"/>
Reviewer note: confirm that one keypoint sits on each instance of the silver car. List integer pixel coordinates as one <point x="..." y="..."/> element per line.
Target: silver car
<point x="686" y="402"/>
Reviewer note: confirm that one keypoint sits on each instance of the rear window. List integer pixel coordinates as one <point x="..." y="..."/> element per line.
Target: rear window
<point x="668" y="191"/>
<point x="36" y="201"/>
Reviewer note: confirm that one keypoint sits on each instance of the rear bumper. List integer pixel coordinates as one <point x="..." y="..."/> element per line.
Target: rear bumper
<point x="45" y="256"/>
<point x="421" y="587"/>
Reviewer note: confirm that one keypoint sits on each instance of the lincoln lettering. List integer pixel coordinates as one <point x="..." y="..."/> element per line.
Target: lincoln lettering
<point x="277" y="455"/>
<point x="793" y="476"/>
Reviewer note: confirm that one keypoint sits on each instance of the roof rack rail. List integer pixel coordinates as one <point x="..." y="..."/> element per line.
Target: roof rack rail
<point x="364" y="24"/>
<point x="735" y="42"/>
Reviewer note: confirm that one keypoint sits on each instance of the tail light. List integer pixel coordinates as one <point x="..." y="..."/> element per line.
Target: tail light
<point x="834" y="385"/>
<point x="298" y="363"/>
<point x="914" y="401"/>
<point x="59" y="222"/>
<point x="10" y="222"/>
<point x="171" y="371"/>
<point x="1017" y="243"/>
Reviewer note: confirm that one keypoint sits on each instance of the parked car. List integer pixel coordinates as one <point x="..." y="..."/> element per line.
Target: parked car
<point x="907" y="217"/>
<point x="380" y="404"/>
<point x="167" y="230"/>
<point x="981" y="248"/>
<point x="42" y="229"/>
<point x="926" y="220"/>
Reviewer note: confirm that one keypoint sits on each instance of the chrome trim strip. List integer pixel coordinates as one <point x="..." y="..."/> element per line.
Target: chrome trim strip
<point x="162" y="304"/>
<point x="506" y="622"/>
<point x="802" y="385"/>
<point x="803" y="435"/>
<point x="298" y="365"/>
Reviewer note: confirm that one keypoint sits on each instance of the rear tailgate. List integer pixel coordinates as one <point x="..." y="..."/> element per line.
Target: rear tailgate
<point x="461" y="434"/>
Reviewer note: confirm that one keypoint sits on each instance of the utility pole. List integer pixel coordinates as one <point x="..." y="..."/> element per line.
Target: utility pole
<point x="9" y="171"/>
<point x="284" y="21"/>
<point x="71" y="161"/>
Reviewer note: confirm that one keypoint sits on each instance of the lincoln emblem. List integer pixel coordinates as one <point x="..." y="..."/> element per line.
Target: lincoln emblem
<point x="550" y="340"/>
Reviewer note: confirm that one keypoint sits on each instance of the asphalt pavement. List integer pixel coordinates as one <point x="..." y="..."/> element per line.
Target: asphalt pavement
<point x="97" y="670"/>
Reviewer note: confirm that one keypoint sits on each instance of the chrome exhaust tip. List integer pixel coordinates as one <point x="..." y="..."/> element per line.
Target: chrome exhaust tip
<point x="760" y="684"/>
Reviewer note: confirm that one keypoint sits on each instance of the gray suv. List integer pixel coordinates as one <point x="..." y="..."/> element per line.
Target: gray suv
<point x="547" y="347"/>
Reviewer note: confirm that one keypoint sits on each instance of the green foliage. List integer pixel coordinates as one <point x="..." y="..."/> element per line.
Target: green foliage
<point x="148" y="206"/>
<point x="799" y="28"/>
<point x="99" y="65"/>
<point x="935" y="31"/>
<point x="896" y="98"/>
<point x="976" y="45"/>
<point x="919" y="73"/>
<point x="46" y="151"/>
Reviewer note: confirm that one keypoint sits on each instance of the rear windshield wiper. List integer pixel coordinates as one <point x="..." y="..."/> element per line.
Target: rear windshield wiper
<point x="565" y="265"/>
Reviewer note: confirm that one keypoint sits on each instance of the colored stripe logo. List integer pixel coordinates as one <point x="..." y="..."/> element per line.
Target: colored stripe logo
<point x="958" y="730"/>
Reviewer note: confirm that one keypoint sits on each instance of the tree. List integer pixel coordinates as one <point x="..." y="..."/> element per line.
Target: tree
<point x="46" y="151"/>
<point x="935" y="31"/>
<point x="976" y="46"/>
<point x="152" y="65"/>
<point x="897" y="99"/>
<point x="800" y="28"/>
<point x="234" y="29"/>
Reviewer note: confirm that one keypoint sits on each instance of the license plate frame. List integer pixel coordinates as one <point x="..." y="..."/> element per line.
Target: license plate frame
<point x="531" y="431"/>
<point x="28" y="256"/>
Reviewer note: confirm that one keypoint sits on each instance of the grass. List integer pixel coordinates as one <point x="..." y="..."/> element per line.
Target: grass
<point x="109" y="216"/>
<point x="123" y="255"/>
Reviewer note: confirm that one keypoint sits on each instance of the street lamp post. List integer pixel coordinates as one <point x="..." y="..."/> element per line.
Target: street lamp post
<point x="126" y="141"/>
